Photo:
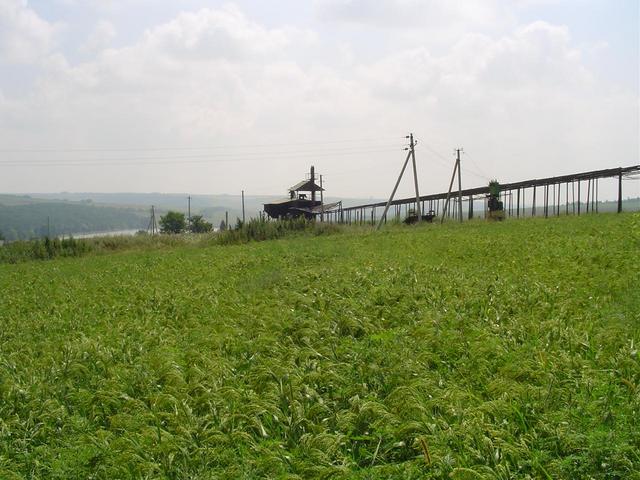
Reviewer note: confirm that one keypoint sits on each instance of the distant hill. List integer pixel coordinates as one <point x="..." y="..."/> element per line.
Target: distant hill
<point x="25" y="216"/>
<point x="20" y="221"/>
<point x="212" y="207"/>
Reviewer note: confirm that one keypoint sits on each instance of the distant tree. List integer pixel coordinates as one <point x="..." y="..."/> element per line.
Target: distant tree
<point x="173" y="222"/>
<point x="223" y="226"/>
<point x="199" y="225"/>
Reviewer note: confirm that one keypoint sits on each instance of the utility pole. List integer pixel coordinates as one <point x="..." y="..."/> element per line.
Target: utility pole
<point x="321" y="201"/>
<point x="395" y="188"/>
<point x="226" y="220"/>
<point x="189" y="211"/>
<point x="412" y="145"/>
<point x="456" y="170"/>
<point x="459" y="185"/>
<point x="152" y="221"/>
<point x="411" y="155"/>
<point x="243" y="207"/>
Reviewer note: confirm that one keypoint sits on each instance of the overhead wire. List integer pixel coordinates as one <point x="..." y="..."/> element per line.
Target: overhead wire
<point x="187" y="148"/>
<point x="481" y="173"/>
<point x="194" y="159"/>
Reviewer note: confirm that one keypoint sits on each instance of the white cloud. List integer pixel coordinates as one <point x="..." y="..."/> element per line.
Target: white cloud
<point x="405" y="13"/>
<point x="101" y="36"/>
<point x="24" y="36"/>
<point x="520" y="102"/>
<point x="209" y="34"/>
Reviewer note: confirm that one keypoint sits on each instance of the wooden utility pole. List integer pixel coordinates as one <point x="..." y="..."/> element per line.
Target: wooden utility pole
<point x="395" y="188"/>
<point x="243" y="219"/>
<point x="456" y="170"/>
<point x="321" y="201"/>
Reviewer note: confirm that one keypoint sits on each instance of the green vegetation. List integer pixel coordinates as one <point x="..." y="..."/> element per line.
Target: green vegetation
<point x="173" y="222"/>
<point x="200" y="225"/>
<point x="253" y="230"/>
<point x="481" y="350"/>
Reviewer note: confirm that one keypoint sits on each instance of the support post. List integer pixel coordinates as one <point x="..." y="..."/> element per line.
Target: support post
<point x="445" y="208"/>
<point x="579" y="197"/>
<point x="386" y="208"/>
<point x="620" y="192"/>
<point x="533" y="208"/>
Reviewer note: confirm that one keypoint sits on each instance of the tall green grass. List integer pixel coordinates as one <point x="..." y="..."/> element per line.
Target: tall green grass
<point x="481" y="350"/>
<point x="254" y="230"/>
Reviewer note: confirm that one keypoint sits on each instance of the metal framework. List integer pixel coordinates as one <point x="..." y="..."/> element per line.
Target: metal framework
<point x="551" y="195"/>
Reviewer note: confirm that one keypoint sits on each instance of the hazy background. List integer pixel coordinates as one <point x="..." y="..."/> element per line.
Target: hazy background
<point x="213" y="97"/>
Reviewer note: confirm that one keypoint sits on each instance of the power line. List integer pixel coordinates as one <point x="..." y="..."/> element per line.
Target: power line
<point x="478" y="167"/>
<point x="210" y="147"/>
<point x="186" y="159"/>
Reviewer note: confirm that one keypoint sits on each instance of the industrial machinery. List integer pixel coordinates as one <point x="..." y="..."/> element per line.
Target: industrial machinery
<point x="413" y="218"/>
<point x="495" y="208"/>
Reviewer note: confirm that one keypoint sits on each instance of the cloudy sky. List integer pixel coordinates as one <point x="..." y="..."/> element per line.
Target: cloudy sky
<point x="214" y="97"/>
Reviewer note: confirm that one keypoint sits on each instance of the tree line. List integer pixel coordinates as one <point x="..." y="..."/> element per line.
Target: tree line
<point x="176" y="222"/>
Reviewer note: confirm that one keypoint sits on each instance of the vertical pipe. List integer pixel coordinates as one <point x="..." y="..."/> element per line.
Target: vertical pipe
<point x="518" y="204"/>
<point x="533" y="208"/>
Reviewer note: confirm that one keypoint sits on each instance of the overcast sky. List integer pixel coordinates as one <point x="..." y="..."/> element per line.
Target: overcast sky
<point x="214" y="97"/>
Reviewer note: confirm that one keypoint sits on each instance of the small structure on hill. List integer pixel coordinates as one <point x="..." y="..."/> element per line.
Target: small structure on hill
<point x="301" y="201"/>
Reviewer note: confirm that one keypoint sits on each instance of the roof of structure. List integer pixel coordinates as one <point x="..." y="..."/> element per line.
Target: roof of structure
<point x="305" y="186"/>
<point x="327" y="207"/>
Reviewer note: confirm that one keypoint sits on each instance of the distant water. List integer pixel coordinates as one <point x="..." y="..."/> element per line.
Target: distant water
<point x="113" y="233"/>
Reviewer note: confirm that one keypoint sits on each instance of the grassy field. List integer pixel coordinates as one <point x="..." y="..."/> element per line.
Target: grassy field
<point x="505" y="350"/>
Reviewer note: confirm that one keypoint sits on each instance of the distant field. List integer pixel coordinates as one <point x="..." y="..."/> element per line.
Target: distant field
<point x="481" y="350"/>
